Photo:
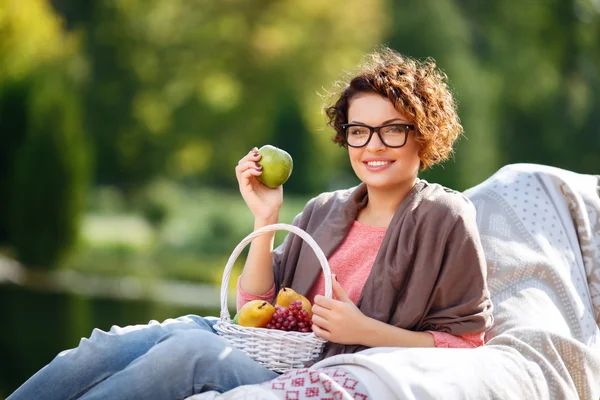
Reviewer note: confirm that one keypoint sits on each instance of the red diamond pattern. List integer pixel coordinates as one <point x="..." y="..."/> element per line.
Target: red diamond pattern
<point x="292" y="395"/>
<point x="314" y="377"/>
<point x="298" y="382"/>
<point x="350" y="383"/>
<point x="305" y="384"/>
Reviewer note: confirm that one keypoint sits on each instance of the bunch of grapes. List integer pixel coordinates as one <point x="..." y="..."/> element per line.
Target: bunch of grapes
<point x="294" y="318"/>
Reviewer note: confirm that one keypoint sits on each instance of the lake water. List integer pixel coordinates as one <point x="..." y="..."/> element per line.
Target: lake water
<point x="36" y="325"/>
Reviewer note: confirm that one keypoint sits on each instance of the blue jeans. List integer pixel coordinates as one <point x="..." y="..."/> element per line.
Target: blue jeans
<point x="170" y="360"/>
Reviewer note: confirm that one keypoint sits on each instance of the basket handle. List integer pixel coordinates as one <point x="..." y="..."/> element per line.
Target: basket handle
<point x="269" y="228"/>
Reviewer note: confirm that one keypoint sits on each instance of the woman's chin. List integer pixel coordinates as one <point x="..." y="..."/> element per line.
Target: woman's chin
<point x="380" y="184"/>
<point x="385" y="184"/>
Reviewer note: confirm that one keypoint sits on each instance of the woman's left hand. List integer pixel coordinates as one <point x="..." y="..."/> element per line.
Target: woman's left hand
<point x="338" y="321"/>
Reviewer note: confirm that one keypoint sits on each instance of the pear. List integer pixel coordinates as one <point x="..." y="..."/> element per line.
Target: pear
<point x="277" y="165"/>
<point x="256" y="314"/>
<point x="306" y="305"/>
<point x="286" y="296"/>
<point x="236" y="319"/>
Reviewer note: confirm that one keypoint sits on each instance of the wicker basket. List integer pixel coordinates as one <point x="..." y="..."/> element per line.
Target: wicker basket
<point x="277" y="350"/>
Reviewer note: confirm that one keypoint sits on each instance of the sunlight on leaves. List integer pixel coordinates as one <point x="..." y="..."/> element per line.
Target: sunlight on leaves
<point x="31" y="34"/>
<point x="192" y="159"/>
<point x="221" y="91"/>
<point x="153" y="111"/>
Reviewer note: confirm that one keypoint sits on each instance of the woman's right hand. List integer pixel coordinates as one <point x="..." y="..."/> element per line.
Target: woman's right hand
<point x="263" y="202"/>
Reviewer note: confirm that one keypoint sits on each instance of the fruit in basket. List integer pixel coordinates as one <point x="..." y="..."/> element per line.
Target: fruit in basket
<point x="306" y="305"/>
<point x="256" y="314"/>
<point x="286" y="296"/>
<point x="302" y="316"/>
<point x="276" y="164"/>
<point x="293" y="318"/>
<point x="236" y="319"/>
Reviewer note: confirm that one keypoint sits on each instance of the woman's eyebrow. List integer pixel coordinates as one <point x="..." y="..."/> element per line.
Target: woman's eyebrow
<point x="383" y="123"/>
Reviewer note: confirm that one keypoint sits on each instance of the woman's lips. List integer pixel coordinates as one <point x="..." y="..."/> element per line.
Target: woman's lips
<point x="377" y="165"/>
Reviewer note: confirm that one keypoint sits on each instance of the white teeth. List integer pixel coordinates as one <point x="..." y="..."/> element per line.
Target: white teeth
<point x="377" y="163"/>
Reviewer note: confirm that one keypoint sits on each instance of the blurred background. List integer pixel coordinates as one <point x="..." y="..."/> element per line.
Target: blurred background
<point x="121" y="122"/>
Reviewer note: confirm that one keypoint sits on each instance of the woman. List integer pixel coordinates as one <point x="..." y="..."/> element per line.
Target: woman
<point x="407" y="257"/>
<point x="396" y="116"/>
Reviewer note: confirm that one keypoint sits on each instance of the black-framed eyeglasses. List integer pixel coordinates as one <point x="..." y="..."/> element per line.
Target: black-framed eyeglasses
<point x="392" y="135"/>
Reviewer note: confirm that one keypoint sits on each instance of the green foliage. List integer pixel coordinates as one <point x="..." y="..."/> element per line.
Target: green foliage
<point x="525" y="75"/>
<point x="32" y="36"/>
<point x="184" y="89"/>
<point x="547" y="58"/>
<point x="13" y="125"/>
<point x="50" y="175"/>
<point x="201" y="227"/>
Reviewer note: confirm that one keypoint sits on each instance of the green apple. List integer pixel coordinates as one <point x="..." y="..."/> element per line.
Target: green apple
<point x="276" y="166"/>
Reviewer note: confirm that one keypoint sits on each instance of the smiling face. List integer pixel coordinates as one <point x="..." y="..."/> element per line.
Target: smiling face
<point x="378" y="166"/>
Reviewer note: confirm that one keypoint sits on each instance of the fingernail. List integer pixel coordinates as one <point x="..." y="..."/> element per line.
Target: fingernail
<point x="256" y="154"/>
<point x="258" y="165"/>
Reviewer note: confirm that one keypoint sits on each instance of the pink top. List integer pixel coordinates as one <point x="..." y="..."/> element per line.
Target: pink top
<point x="351" y="262"/>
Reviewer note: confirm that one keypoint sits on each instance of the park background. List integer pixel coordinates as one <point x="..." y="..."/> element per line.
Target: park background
<point x="121" y="122"/>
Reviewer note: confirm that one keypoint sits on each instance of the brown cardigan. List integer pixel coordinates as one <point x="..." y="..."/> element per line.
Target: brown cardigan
<point x="429" y="274"/>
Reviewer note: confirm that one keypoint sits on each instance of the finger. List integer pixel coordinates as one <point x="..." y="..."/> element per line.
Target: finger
<point x="242" y="166"/>
<point x="324" y="302"/>
<point x="321" y="311"/>
<point x="253" y="155"/>
<point x="320" y="321"/>
<point x="247" y="181"/>
<point x="252" y="166"/>
<point x="338" y="290"/>
<point x="247" y="166"/>
<point x="248" y="174"/>
<point x="322" y="333"/>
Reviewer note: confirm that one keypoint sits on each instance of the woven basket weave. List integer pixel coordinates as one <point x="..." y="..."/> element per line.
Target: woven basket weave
<point x="277" y="350"/>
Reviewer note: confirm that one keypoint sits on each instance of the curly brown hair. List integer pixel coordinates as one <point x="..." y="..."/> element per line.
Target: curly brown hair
<point x="416" y="88"/>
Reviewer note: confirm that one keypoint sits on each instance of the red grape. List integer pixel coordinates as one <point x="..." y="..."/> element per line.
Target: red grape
<point x="294" y="318"/>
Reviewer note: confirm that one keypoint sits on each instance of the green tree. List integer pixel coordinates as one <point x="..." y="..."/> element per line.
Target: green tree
<point x="546" y="55"/>
<point x="184" y="88"/>
<point x="50" y="175"/>
<point x="525" y="75"/>
<point x="13" y="125"/>
<point x="32" y="36"/>
<point x="290" y="133"/>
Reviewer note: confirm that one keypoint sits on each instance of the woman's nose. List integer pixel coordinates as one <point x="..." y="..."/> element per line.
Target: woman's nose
<point x="375" y="144"/>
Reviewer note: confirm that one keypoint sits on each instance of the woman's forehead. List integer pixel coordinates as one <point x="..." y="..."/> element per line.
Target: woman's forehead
<point x="374" y="107"/>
